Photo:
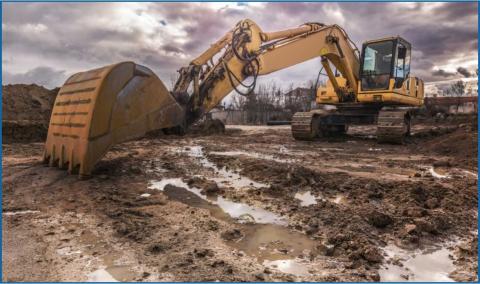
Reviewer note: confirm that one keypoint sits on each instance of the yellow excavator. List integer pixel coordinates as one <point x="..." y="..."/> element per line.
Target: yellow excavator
<point x="102" y="107"/>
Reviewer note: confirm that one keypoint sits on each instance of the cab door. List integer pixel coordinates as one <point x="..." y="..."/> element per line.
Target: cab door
<point x="401" y="70"/>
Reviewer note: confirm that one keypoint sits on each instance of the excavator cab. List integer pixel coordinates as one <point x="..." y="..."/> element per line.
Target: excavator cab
<point x="385" y="73"/>
<point x="383" y="60"/>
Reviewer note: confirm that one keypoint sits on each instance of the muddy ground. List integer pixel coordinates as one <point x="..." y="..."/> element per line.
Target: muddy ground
<point x="249" y="205"/>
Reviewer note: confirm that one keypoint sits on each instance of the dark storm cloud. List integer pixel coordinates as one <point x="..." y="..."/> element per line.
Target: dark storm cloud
<point x="166" y="36"/>
<point x="443" y="73"/>
<point x="464" y="72"/>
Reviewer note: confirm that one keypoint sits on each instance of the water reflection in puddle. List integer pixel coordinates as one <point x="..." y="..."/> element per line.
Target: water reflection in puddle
<point x="114" y="273"/>
<point x="339" y="199"/>
<point x="273" y="242"/>
<point x="223" y="175"/>
<point x="253" y="155"/>
<point x="101" y="275"/>
<point x="13" y="213"/>
<point x="291" y="266"/>
<point x="268" y="239"/>
<point x="306" y="198"/>
<point x="432" y="265"/>
<point x="435" y="174"/>
<point x="184" y="193"/>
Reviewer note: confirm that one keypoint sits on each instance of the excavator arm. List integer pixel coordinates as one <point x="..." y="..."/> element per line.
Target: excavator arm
<point x="106" y="106"/>
<point x="247" y="51"/>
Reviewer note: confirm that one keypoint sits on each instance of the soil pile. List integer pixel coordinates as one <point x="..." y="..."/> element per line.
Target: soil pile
<point x="461" y="145"/>
<point x="26" y="112"/>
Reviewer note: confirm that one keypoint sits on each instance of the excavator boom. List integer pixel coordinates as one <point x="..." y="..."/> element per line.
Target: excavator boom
<point x="99" y="108"/>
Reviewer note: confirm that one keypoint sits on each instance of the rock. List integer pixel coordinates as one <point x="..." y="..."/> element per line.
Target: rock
<point x="211" y="188"/>
<point x="267" y="270"/>
<point x="218" y="263"/>
<point x="373" y="255"/>
<point x="405" y="276"/>
<point x="425" y="226"/>
<point x="326" y="249"/>
<point x="414" y="212"/>
<point x="260" y="276"/>
<point x="312" y="227"/>
<point x="135" y="170"/>
<point x="417" y="174"/>
<point x="379" y="219"/>
<point x="231" y="235"/>
<point x="375" y="276"/>
<point x="145" y="274"/>
<point x="442" y="164"/>
<point x="432" y="203"/>
<point x="156" y="248"/>
<point x="409" y="229"/>
<point x="203" y="252"/>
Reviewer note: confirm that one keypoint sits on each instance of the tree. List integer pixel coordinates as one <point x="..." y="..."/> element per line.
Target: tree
<point x="456" y="89"/>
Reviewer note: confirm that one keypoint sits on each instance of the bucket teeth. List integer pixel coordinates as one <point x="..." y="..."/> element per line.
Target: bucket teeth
<point x="102" y="107"/>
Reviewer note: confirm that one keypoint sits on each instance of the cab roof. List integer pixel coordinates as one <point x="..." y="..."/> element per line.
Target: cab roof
<point x="397" y="38"/>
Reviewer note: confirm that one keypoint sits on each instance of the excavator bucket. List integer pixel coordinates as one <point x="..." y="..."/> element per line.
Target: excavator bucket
<point x="102" y="107"/>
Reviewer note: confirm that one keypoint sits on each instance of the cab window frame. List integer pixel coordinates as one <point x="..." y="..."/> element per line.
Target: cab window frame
<point x="392" y="63"/>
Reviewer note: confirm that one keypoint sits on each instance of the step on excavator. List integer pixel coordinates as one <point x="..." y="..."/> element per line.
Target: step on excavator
<point x="109" y="105"/>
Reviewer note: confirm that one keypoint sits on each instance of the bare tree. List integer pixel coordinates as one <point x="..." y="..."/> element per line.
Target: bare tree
<point x="457" y="90"/>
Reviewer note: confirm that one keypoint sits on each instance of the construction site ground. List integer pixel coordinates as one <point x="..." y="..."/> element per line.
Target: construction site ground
<point x="252" y="204"/>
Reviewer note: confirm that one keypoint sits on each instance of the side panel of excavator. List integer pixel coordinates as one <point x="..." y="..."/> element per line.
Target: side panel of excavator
<point x="102" y="107"/>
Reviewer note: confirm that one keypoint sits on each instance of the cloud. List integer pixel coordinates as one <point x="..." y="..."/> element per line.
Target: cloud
<point x="165" y="36"/>
<point x="43" y="76"/>
<point x="443" y="73"/>
<point x="464" y="72"/>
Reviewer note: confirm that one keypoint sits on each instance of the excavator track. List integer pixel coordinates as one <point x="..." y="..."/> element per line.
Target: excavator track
<point x="305" y="125"/>
<point x="393" y="126"/>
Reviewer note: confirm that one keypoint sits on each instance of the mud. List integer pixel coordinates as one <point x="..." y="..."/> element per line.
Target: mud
<point x="251" y="204"/>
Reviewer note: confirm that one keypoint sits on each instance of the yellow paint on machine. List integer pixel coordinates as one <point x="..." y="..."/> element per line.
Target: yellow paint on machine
<point x="102" y="107"/>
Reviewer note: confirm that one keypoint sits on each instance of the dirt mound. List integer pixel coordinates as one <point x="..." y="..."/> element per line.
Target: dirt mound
<point x="460" y="144"/>
<point x="26" y="112"/>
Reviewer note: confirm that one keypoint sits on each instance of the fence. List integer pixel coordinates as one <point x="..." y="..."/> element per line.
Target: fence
<point x="250" y="117"/>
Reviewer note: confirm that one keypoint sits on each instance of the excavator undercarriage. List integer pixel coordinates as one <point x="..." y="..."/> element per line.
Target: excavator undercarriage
<point x="393" y="124"/>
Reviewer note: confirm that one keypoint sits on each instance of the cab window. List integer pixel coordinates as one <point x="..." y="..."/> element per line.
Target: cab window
<point x="377" y="65"/>
<point x="402" y="65"/>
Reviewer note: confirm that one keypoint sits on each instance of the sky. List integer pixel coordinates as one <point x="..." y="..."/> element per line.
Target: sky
<point x="44" y="43"/>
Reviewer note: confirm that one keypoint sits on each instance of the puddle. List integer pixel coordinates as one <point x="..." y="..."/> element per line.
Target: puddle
<point x="101" y="275"/>
<point x="223" y="175"/>
<point x="265" y="235"/>
<point x="255" y="155"/>
<point x="219" y="206"/>
<point x="273" y="242"/>
<point x="306" y="198"/>
<point x="13" y="213"/>
<point x="291" y="266"/>
<point x="435" y="174"/>
<point x="145" y="195"/>
<point x="115" y="273"/>
<point x="432" y="265"/>
<point x="374" y="149"/>
<point x="339" y="199"/>
<point x="67" y="251"/>
<point x="472" y="174"/>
